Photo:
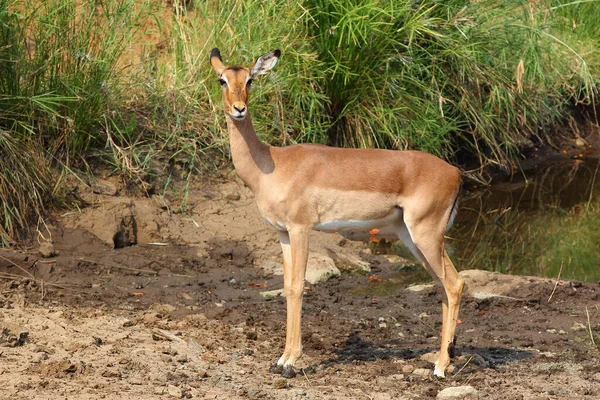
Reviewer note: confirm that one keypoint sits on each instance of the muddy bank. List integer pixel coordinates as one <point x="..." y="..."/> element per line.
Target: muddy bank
<point x="180" y="315"/>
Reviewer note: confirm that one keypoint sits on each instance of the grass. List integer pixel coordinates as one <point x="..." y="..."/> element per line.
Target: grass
<point x="127" y="84"/>
<point x="535" y="243"/>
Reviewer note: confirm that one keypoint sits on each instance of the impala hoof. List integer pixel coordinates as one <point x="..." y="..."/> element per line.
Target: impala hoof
<point x="439" y="373"/>
<point x="288" y="372"/>
<point x="276" y="369"/>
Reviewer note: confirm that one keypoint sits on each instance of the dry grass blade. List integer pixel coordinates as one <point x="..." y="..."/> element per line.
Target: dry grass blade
<point x="590" y="328"/>
<point x="18" y="266"/>
<point x="557" y="280"/>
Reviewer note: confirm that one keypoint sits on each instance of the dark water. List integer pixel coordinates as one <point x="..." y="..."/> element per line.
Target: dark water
<point x="541" y="222"/>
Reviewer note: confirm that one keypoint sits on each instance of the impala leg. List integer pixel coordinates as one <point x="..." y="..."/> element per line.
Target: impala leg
<point x="428" y="246"/>
<point x="295" y="252"/>
<point x="284" y="240"/>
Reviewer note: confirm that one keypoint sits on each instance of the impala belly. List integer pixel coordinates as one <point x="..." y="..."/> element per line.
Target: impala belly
<point x="341" y="211"/>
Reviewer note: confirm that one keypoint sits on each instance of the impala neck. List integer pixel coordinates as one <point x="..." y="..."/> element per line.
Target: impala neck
<point x="251" y="158"/>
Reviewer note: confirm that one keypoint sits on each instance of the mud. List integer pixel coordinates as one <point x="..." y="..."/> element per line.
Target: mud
<point x="179" y="314"/>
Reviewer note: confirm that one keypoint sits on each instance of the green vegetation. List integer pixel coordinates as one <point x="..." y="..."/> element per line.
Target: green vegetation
<point x="536" y="243"/>
<point x="128" y="82"/>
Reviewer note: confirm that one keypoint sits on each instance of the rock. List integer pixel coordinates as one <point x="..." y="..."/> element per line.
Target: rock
<point x="272" y="268"/>
<point x="162" y="308"/>
<point x="458" y="392"/>
<point x="430" y="357"/>
<point x="407" y="369"/>
<point x="174" y="391"/>
<point x="271" y="294"/>
<point x="420" y="288"/>
<point x="577" y="326"/>
<point x="551" y="330"/>
<point x="397" y="260"/>
<point x="47" y="249"/>
<point x="320" y="268"/>
<point x="351" y="263"/>
<point x="100" y="186"/>
<point x="126" y="235"/>
<point x="422" y="372"/>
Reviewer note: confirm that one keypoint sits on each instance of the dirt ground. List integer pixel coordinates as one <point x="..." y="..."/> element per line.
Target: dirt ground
<point x="180" y="315"/>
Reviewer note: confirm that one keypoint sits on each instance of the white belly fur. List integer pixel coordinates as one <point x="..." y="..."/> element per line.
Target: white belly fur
<point x="359" y="225"/>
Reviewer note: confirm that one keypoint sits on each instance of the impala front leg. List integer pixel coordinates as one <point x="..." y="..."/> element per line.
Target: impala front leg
<point x="295" y="256"/>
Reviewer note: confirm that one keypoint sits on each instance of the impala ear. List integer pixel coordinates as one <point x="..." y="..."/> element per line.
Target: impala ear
<point x="265" y="63"/>
<point x="216" y="62"/>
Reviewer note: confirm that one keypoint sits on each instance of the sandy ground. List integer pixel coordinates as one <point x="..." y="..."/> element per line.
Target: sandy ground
<point x="180" y="315"/>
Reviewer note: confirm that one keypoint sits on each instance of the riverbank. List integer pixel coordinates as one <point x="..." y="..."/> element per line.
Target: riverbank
<point x="180" y="314"/>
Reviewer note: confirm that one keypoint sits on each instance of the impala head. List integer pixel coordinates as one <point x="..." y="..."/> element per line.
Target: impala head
<point x="236" y="81"/>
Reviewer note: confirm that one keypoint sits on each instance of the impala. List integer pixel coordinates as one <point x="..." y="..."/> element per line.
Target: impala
<point x="308" y="186"/>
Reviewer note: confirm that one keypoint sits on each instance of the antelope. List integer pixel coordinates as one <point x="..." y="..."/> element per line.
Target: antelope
<point x="309" y="186"/>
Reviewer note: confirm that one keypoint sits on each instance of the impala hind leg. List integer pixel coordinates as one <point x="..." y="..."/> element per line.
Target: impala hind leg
<point x="294" y="245"/>
<point x="427" y="244"/>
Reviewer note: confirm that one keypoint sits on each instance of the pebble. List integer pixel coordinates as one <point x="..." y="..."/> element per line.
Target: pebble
<point x="551" y="330"/>
<point x="407" y="369"/>
<point x="47" y="250"/>
<point x="174" y="391"/>
<point x="271" y="294"/>
<point x="430" y="357"/>
<point x="202" y="374"/>
<point x="422" y="372"/>
<point x="458" y="392"/>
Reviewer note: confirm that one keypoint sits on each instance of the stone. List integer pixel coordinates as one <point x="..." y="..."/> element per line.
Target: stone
<point x="458" y="392"/>
<point x="271" y="294"/>
<point x="174" y="391"/>
<point x="351" y="263"/>
<point x="320" y="268"/>
<point x="47" y="249"/>
<point x="422" y="372"/>
<point x="101" y="186"/>
<point x="420" y="288"/>
<point x="430" y="357"/>
<point x="407" y="369"/>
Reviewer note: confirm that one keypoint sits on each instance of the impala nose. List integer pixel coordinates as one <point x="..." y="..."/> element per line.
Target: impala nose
<point x="239" y="110"/>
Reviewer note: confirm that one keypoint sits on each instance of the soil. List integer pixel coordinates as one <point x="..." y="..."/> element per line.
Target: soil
<point x="176" y="312"/>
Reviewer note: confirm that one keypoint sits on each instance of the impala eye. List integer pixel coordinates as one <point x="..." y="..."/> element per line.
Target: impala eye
<point x="249" y="83"/>
<point x="222" y="82"/>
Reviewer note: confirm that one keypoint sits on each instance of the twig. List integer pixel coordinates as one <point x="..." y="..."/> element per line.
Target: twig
<point x="590" y="327"/>
<point x="168" y="336"/>
<point x="18" y="266"/>
<point x="306" y="377"/>
<point x="464" y="366"/>
<point x="557" y="279"/>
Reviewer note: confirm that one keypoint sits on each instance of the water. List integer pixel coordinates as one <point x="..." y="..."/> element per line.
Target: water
<point x="543" y="224"/>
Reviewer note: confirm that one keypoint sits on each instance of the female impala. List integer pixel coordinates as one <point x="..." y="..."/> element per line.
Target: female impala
<point x="307" y="186"/>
